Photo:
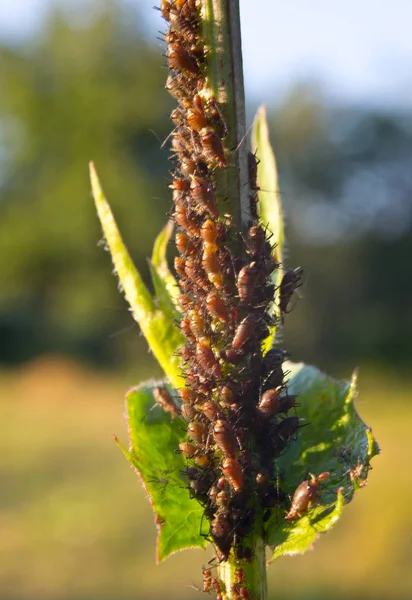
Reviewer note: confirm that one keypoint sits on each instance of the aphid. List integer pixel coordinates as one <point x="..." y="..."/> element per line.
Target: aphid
<point x="212" y="147"/>
<point x="206" y="359"/>
<point x="196" y="119"/>
<point x="196" y="274"/>
<point x="188" y="412"/>
<point x="232" y="356"/>
<point x="222" y="534"/>
<point x="211" y="265"/>
<point x="197" y="324"/>
<point x="244" y="332"/>
<point x="191" y="167"/>
<point x="186" y="221"/>
<point x="246" y="281"/>
<point x="210" y="410"/>
<point x="185" y="245"/>
<point x="273" y="359"/>
<point x="164" y="399"/>
<point x="209" y="233"/>
<point x="224" y="438"/>
<point x="216" y="118"/>
<point x="256" y="240"/>
<point x="217" y="307"/>
<point x="197" y="431"/>
<point x="207" y="580"/>
<point x="244" y="594"/>
<point x="226" y="396"/>
<point x="186" y="329"/>
<point x="272" y="403"/>
<point x="165" y="8"/>
<point x="287" y="429"/>
<point x="188" y="449"/>
<point x="175" y="85"/>
<point x="180" y="266"/>
<point x="275" y="379"/>
<point x="204" y="196"/>
<point x="292" y="279"/>
<point x="240" y="575"/>
<point x="187" y="395"/>
<point x="181" y="60"/>
<point x="253" y="171"/>
<point x="233" y="473"/>
<point x="305" y="495"/>
<point x="183" y="26"/>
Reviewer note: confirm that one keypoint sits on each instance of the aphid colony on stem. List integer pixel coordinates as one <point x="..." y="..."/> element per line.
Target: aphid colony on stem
<point x="235" y="399"/>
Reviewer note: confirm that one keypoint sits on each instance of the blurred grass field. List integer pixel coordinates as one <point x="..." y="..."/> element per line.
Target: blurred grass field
<point x="75" y="524"/>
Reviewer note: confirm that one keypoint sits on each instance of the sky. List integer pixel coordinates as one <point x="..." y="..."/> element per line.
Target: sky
<point x="361" y="50"/>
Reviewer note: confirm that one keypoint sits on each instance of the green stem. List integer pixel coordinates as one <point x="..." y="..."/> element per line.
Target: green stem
<point x="221" y="31"/>
<point x="254" y="573"/>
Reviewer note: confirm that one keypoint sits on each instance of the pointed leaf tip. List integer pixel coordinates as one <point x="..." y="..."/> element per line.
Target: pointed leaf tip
<point x="159" y="329"/>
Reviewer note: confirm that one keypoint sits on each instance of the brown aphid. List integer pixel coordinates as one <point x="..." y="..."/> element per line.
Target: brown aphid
<point x="216" y="118"/>
<point x="196" y="274"/>
<point x="164" y="399"/>
<point x="233" y="473"/>
<point x="209" y="232"/>
<point x="244" y="594"/>
<point x="211" y="265"/>
<point x="217" y="307"/>
<point x="212" y="147"/>
<point x="232" y="356"/>
<point x="190" y="167"/>
<point x="204" y="196"/>
<point x="207" y="580"/>
<point x="186" y="221"/>
<point x="202" y="461"/>
<point x="188" y="412"/>
<point x="246" y="282"/>
<point x="197" y="324"/>
<point x="181" y="60"/>
<point x="305" y="495"/>
<point x="186" y="329"/>
<point x="256" y="240"/>
<point x="186" y="395"/>
<point x="210" y="410"/>
<point x="180" y="266"/>
<point x="240" y="575"/>
<point x="269" y="403"/>
<point x="226" y="396"/>
<point x="183" y="27"/>
<point x="197" y="431"/>
<point x="272" y="403"/>
<point x="244" y="332"/>
<point x="224" y="438"/>
<point x="185" y="245"/>
<point x="175" y="85"/>
<point x="292" y="279"/>
<point x="196" y="119"/>
<point x="165" y="8"/>
<point x="206" y="359"/>
<point x="188" y="449"/>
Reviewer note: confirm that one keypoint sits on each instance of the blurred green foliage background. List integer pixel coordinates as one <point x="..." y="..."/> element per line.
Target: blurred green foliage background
<point x="74" y="523"/>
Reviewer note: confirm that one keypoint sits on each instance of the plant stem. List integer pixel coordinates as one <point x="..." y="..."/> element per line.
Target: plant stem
<point x="221" y="31"/>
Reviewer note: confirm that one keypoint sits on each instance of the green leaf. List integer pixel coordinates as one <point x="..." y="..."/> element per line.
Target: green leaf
<point x="334" y="440"/>
<point x="165" y="285"/>
<point x="163" y="336"/>
<point x="154" y="439"/>
<point x="270" y="206"/>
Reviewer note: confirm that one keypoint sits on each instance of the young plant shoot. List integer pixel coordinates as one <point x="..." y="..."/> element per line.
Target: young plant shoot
<point x="251" y="450"/>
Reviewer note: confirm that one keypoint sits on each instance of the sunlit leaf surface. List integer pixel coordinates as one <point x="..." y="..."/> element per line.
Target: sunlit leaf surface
<point x="158" y="326"/>
<point x="335" y="440"/>
<point x="154" y="453"/>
